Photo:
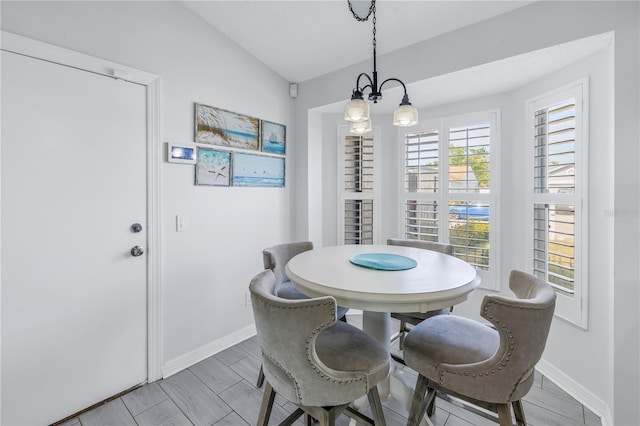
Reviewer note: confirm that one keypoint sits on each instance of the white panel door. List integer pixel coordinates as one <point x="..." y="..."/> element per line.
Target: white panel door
<point x="74" y="324"/>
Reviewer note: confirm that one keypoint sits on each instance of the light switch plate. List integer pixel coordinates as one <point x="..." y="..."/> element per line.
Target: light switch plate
<point x="182" y="223"/>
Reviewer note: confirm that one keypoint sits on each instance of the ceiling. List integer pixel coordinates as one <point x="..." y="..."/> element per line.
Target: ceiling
<point x="303" y="39"/>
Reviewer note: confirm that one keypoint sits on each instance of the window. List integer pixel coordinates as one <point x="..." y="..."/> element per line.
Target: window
<point x="358" y="187"/>
<point x="557" y="190"/>
<point x="450" y="187"/>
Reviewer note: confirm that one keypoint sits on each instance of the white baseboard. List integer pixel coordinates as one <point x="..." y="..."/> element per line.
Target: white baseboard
<point x="187" y="360"/>
<point x="577" y="391"/>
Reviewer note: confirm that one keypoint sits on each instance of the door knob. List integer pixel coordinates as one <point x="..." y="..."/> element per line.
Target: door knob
<point x="136" y="251"/>
<point x="136" y="227"/>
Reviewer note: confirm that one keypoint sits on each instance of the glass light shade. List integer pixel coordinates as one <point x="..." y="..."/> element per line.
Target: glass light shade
<point x="356" y="110"/>
<point x="405" y="115"/>
<point x="360" y="127"/>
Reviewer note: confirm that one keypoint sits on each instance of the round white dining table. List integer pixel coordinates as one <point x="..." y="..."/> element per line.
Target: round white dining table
<point x="436" y="281"/>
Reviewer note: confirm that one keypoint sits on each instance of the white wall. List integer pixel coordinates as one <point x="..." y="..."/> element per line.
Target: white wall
<point x="206" y="270"/>
<point x="600" y="365"/>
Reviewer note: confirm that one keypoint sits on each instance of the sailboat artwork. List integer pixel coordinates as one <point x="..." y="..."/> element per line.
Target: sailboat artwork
<point x="273" y="137"/>
<point x="225" y="128"/>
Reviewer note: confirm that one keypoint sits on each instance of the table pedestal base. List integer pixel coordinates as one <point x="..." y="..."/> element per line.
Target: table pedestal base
<point x="399" y="384"/>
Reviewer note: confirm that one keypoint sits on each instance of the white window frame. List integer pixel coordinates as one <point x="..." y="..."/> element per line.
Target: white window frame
<point x="490" y="280"/>
<point x="343" y="132"/>
<point x="572" y="309"/>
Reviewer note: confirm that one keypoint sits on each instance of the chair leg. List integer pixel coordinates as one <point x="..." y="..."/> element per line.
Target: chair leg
<point x="504" y="414"/>
<point x="403" y="328"/>
<point x="418" y="403"/>
<point x="431" y="402"/>
<point x="376" y="407"/>
<point x="518" y="411"/>
<point x="260" y="378"/>
<point x="309" y="421"/>
<point x="267" y="405"/>
<point x="328" y="417"/>
<point x="292" y="417"/>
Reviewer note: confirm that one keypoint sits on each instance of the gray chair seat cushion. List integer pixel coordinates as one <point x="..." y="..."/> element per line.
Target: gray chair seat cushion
<point x="286" y="290"/>
<point x="343" y="347"/>
<point x="451" y="339"/>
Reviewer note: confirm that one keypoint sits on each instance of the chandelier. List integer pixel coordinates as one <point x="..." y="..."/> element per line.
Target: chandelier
<point x="357" y="110"/>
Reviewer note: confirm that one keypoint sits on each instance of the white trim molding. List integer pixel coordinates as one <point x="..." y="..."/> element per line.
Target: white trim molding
<point x="576" y="390"/>
<point x="203" y="352"/>
<point x="36" y="49"/>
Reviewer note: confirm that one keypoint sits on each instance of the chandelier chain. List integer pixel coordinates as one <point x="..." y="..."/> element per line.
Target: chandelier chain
<point x="374" y="26"/>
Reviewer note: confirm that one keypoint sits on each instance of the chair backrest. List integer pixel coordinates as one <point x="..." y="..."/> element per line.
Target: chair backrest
<point x="426" y="245"/>
<point x="276" y="257"/>
<point x="287" y="331"/>
<point x="523" y="325"/>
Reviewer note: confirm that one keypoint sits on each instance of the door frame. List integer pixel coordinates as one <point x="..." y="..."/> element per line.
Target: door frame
<point x="28" y="47"/>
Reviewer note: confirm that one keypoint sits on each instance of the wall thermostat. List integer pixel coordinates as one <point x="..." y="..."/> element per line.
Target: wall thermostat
<point x="293" y="90"/>
<point x="181" y="153"/>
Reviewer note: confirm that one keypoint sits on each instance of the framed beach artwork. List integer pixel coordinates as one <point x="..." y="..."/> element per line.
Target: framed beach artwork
<point x="257" y="170"/>
<point x="274" y="137"/>
<point x="213" y="167"/>
<point x="217" y="126"/>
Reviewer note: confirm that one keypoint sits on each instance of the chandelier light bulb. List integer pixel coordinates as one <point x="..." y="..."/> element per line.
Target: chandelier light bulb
<point x="360" y="127"/>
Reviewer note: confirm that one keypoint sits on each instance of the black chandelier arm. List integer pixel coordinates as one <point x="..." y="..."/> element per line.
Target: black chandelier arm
<point x="405" y="98"/>
<point x="394" y="79"/>
<point x="370" y="85"/>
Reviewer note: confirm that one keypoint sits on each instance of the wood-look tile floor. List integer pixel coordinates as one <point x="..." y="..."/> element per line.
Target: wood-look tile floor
<point x="221" y="391"/>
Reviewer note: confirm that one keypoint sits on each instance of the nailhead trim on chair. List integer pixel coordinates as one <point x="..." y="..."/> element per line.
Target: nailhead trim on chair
<point x="307" y="347"/>
<point x="287" y="372"/>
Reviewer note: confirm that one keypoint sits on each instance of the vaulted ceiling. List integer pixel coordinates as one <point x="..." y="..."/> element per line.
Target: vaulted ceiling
<point x="303" y="39"/>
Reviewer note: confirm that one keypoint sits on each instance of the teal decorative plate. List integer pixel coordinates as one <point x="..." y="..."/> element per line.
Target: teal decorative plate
<point x="383" y="261"/>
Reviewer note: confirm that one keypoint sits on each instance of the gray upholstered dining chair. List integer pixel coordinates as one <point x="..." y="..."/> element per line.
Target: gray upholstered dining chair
<point x="314" y="361"/>
<point x="415" y="318"/>
<point x="276" y="258"/>
<point x="491" y="367"/>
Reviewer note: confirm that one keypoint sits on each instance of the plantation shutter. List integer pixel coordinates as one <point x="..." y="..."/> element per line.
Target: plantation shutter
<point x="358" y="190"/>
<point x="447" y="186"/>
<point x="554" y="189"/>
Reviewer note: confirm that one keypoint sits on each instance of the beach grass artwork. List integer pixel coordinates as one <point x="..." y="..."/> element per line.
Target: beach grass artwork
<point x="257" y="170"/>
<point x="217" y="126"/>
<point x="274" y="137"/>
<point x="213" y="167"/>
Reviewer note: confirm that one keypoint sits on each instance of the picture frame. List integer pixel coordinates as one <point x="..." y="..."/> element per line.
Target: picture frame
<point x="258" y="170"/>
<point x="216" y="126"/>
<point x="273" y="137"/>
<point x="181" y="153"/>
<point x="213" y="167"/>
